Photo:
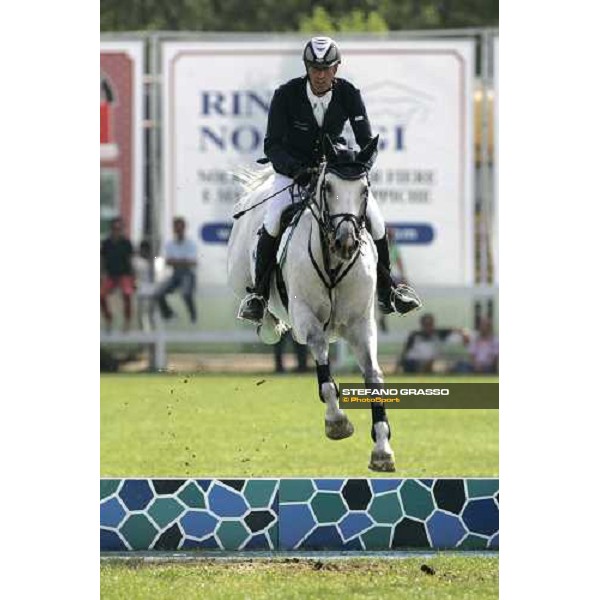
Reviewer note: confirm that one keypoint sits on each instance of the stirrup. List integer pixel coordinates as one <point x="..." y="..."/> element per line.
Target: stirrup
<point x="252" y="308"/>
<point x="404" y="299"/>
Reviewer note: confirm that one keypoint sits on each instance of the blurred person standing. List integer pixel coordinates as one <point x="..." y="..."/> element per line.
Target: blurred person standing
<point x="180" y="255"/>
<point x="144" y="285"/>
<point x="300" y="349"/>
<point x="116" y="253"/>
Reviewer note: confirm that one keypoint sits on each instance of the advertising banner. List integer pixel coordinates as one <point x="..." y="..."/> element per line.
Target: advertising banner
<point x="418" y="95"/>
<point x="121" y="135"/>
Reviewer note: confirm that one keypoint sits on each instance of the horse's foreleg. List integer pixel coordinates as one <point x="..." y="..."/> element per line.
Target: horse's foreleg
<point x="337" y="424"/>
<point x="363" y="341"/>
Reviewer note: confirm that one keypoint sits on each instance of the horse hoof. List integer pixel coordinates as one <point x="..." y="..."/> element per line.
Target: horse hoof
<point x="339" y="430"/>
<point x="382" y="461"/>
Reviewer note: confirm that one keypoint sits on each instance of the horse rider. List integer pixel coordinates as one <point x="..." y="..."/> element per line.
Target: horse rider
<point x="302" y="112"/>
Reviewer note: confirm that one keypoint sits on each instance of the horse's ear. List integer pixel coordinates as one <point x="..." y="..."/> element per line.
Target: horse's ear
<point x="365" y="155"/>
<point x="329" y="149"/>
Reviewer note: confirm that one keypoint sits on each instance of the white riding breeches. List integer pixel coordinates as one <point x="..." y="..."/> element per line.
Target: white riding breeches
<point x="277" y="204"/>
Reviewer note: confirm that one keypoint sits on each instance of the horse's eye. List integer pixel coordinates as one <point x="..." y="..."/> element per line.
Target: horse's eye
<point x="365" y="190"/>
<point x="328" y="187"/>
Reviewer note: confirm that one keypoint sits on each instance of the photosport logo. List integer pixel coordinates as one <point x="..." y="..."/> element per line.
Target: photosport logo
<point x="420" y="395"/>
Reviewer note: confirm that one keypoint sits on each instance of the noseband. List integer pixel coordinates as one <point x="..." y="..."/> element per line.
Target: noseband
<point x="327" y="220"/>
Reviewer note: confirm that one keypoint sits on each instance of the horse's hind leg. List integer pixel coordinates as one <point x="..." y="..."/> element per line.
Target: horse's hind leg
<point x="337" y="424"/>
<point x="363" y="341"/>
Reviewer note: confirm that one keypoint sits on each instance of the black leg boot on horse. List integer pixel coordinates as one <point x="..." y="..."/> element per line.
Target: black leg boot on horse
<point x="392" y="297"/>
<point x="255" y="303"/>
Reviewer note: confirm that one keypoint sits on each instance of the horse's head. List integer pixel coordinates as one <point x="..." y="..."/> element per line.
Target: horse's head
<point x="342" y="192"/>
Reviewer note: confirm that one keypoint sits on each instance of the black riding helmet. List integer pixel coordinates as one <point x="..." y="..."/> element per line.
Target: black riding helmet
<point x="321" y="52"/>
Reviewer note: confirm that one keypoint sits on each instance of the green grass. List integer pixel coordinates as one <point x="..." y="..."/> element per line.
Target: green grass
<point x="454" y="577"/>
<point x="211" y="425"/>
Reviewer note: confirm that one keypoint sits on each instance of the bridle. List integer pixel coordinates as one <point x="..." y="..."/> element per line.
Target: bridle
<point x="325" y="218"/>
<point x="328" y="229"/>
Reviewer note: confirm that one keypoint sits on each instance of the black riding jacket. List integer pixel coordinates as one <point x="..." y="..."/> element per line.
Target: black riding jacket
<point x="294" y="139"/>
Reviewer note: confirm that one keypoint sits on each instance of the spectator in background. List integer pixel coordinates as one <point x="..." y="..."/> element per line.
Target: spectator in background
<point x="180" y="255"/>
<point x="116" y="253"/>
<point x="142" y="266"/>
<point x="299" y="349"/>
<point x="423" y="347"/>
<point x="483" y="350"/>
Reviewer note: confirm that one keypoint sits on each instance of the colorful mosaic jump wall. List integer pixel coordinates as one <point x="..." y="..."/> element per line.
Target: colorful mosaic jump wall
<point x="298" y="514"/>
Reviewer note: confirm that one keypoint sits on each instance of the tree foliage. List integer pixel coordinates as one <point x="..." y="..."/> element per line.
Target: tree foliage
<point x="327" y="16"/>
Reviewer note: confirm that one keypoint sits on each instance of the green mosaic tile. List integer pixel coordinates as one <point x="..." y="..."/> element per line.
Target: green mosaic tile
<point x="385" y="508"/>
<point x="192" y="496"/>
<point x="473" y="542"/>
<point x="258" y="492"/>
<point x="416" y="499"/>
<point x="232" y="534"/>
<point x="165" y="510"/>
<point x="377" y="538"/>
<point x="108" y="487"/>
<point x="139" y="532"/>
<point x="295" y="490"/>
<point x="476" y="488"/>
<point x="328" y="507"/>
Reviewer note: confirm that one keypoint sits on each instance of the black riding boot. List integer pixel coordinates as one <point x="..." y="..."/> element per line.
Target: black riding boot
<point x="254" y="305"/>
<point x="392" y="297"/>
<point x="384" y="276"/>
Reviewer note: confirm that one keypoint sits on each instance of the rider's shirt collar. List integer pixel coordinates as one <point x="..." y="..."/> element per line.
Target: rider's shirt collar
<point x="318" y="104"/>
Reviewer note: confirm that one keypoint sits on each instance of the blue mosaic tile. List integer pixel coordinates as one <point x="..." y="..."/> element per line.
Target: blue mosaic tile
<point x="225" y="502"/>
<point x="334" y="485"/>
<point x="112" y="513"/>
<point x="353" y="544"/>
<point x="325" y="537"/>
<point x="110" y="540"/>
<point x="298" y="521"/>
<point x="258" y="542"/>
<point x="353" y="524"/>
<point x="481" y="516"/>
<point x="445" y="530"/>
<point x="316" y="514"/>
<point x="207" y="544"/>
<point x="136" y="494"/>
<point x="385" y="485"/>
<point x="198" y="523"/>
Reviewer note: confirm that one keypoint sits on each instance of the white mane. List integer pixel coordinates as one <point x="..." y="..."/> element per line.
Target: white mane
<point x="250" y="179"/>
